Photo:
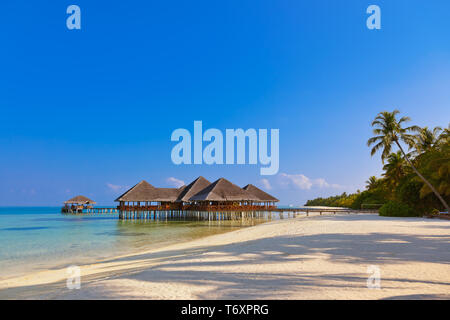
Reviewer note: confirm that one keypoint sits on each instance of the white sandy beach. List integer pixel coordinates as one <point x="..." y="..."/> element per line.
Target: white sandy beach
<point x="319" y="257"/>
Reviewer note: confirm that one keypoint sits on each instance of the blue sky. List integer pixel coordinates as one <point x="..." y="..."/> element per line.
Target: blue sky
<point x="91" y="111"/>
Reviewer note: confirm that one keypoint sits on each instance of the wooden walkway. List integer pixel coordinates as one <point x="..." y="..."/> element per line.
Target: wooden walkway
<point x="215" y="215"/>
<point x="323" y="210"/>
<point x="102" y="210"/>
<point x="93" y="210"/>
<point x="230" y="215"/>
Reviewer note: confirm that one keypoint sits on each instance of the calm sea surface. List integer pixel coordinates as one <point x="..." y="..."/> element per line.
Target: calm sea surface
<point x="38" y="238"/>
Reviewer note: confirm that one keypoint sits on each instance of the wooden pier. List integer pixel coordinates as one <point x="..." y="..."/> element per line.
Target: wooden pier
<point x="229" y="215"/>
<point x="162" y="213"/>
<point x="200" y="200"/>
<point x="84" y="210"/>
<point x="324" y="210"/>
<point x="180" y="215"/>
<point x="101" y="210"/>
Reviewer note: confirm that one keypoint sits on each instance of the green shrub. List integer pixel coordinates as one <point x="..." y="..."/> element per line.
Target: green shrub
<point x="369" y="197"/>
<point x="408" y="192"/>
<point x="396" y="209"/>
<point x="435" y="212"/>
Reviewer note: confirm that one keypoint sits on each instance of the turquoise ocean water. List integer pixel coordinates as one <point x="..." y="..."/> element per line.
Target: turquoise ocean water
<point x="39" y="238"/>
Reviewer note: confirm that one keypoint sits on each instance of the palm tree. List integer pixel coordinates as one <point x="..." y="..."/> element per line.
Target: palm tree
<point x="371" y="183"/>
<point x="437" y="163"/>
<point x="389" y="131"/>
<point x="394" y="169"/>
<point x="444" y="136"/>
<point x="426" y="139"/>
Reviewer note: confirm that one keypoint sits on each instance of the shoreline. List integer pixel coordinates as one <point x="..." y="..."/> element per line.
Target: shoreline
<point x="44" y="239"/>
<point x="58" y="273"/>
<point x="315" y="257"/>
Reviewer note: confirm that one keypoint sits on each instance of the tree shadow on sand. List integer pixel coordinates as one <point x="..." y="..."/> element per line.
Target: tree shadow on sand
<point x="372" y="248"/>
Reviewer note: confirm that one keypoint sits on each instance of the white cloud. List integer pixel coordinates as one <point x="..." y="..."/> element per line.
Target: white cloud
<point x="297" y="180"/>
<point x="302" y="182"/>
<point x="116" y="188"/>
<point x="321" y="183"/>
<point x="266" y="184"/>
<point x="175" y="182"/>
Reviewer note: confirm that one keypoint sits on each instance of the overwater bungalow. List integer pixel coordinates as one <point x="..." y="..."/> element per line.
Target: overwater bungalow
<point x="223" y="195"/>
<point x="145" y="197"/>
<point x="77" y="205"/>
<point x="191" y="190"/>
<point x="199" y="195"/>
<point x="265" y="199"/>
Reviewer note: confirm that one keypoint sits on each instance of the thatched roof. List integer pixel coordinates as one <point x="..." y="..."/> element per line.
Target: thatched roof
<point x="198" y="190"/>
<point x="167" y="194"/>
<point x="263" y="196"/>
<point x="223" y="190"/>
<point x="143" y="191"/>
<point x="193" y="188"/>
<point x="80" y="200"/>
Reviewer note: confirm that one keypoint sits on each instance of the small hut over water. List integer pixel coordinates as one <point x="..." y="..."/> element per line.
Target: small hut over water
<point x="77" y="204"/>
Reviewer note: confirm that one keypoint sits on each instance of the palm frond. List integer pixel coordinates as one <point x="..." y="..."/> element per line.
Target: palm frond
<point x="373" y="140"/>
<point x="404" y="119"/>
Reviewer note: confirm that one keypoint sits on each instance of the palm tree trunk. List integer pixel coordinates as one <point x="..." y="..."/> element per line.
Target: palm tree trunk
<point x="423" y="178"/>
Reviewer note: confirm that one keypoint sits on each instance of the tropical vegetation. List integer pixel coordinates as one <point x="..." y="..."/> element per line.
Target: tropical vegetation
<point x="416" y="176"/>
